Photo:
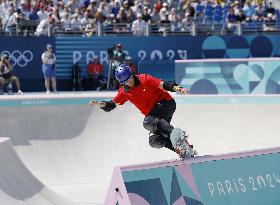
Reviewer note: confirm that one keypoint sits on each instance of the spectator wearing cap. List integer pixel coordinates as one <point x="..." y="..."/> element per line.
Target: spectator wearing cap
<point x="49" y="68"/>
<point x="138" y="26"/>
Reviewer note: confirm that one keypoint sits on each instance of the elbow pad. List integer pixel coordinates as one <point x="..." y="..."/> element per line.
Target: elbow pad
<point x="168" y="85"/>
<point x="110" y="105"/>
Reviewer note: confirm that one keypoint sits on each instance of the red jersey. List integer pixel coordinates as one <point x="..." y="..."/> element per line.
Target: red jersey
<point x="95" y="68"/>
<point x="144" y="95"/>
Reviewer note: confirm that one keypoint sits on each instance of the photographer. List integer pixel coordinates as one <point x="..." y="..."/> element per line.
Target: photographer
<point x="116" y="57"/>
<point x="6" y="75"/>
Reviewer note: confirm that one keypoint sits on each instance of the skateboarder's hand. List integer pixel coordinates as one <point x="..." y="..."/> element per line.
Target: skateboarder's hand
<point x="98" y="104"/>
<point x="182" y="91"/>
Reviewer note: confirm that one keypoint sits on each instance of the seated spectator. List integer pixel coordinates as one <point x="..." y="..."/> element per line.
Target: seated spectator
<point x="76" y="24"/>
<point x="116" y="8"/>
<point x="269" y="22"/>
<point x="42" y="13"/>
<point x="90" y="29"/>
<point x="95" y="80"/>
<point x="186" y="25"/>
<point x="138" y="26"/>
<point x="165" y="26"/>
<point x="147" y="15"/>
<point x="32" y="15"/>
<point x="108" y="25"/>
<point x="249" y="11"/>
<point x="66" y="22"/>
<point x="130" y="16"/>
<point x="260" y="13"/>
<point x="85" y="20"/>
<point x="270" y="9"/>
<point x="240" y="17"/>
<point x="121" y="21"/>
<point x="6" y="73"/>
<point x="174" y="19"/>
<point x="231" y="20"/>
<point x="99" y="17"/>
<point x="10" y="21"/>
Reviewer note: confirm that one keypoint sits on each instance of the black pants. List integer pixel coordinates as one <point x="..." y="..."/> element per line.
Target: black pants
<point x="164" y="109"/>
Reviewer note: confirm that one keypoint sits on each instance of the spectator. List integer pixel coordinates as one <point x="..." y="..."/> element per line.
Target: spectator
<point x="231" y="20"/>
<point x="260" y="12"/>
<point x="186" y="25"/>
<point x="116" y="8"/>
<point x="138" y="26"/>
<point x="158" y="6"/>
<point x="249" y="11"/>
<point x="44" y="26"/>
<point x="109" y="24"/>
<point x="85" y="20"/>
<point x="174" y="19"/>
<point x="10" y="21"/>
<point x="6" y="75"/>
<point x="116" y="57"/>
<point x="66" y="22"/>
<point x="90" y="29"/>
<point x="270" y="9"/>
<point x="76" y="24"/>
<point x="95" y="80"/>
<point x="270" y="22"/>
<point x="146" y="15"/>
<point x="42" y="13"/>
<point x="130" y="16"/>
<point x="32" y="15"/>
<point x="49" y="68"/>
<point x="240" y="17"/>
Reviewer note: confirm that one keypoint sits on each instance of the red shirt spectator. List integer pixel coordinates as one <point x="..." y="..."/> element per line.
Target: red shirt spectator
<point x="95" y="67"/>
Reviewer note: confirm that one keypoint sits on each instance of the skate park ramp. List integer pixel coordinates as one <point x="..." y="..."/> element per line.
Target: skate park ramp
<point x="70" y="148"/>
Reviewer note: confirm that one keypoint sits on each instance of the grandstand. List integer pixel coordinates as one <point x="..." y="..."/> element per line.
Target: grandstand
<point x="97" y="18"/>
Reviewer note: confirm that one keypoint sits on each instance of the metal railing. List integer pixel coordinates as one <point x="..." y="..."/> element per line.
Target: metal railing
<point x="116" y="29"/>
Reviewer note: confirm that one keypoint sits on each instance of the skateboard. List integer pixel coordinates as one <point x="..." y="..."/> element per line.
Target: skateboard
<point x="181" y="144"/>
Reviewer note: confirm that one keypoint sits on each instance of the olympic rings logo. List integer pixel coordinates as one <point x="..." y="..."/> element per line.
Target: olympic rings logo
<point x="19" y="58"/>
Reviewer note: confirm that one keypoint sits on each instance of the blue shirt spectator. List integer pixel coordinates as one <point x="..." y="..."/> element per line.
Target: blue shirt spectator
<point x="32" y="15"/>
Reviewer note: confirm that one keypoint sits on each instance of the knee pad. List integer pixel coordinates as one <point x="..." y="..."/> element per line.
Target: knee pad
<point x="156" y="142"/>
<point x="151" y="123"/>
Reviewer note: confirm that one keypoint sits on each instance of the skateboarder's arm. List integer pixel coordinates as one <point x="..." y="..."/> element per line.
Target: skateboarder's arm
<point x="173" y="87"/>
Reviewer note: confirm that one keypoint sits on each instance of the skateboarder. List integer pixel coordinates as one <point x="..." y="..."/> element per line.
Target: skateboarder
<point x="150" y="96"/>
